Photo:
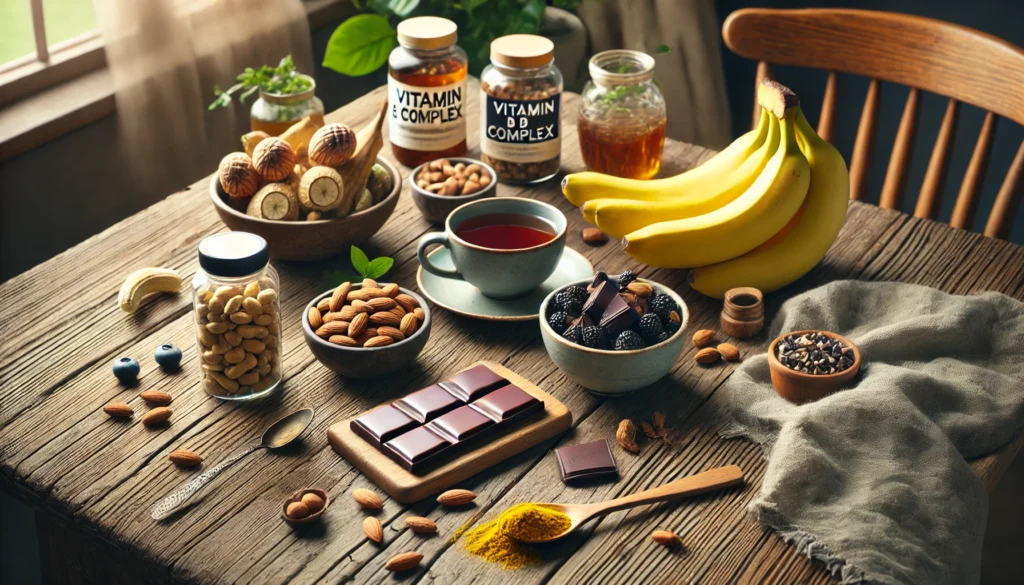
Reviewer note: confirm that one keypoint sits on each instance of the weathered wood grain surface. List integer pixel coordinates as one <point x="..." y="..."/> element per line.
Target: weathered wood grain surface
<point x="61" y="329"/>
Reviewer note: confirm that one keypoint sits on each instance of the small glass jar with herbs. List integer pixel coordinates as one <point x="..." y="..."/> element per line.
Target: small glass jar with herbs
<point x="285" y="96"/>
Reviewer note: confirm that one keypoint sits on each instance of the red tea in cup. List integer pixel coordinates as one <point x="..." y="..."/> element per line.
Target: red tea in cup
<point x="506" y="231"/>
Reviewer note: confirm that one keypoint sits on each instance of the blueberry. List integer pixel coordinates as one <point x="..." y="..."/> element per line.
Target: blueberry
<point x="168" y="356"/>
<point x="127" y="370"/>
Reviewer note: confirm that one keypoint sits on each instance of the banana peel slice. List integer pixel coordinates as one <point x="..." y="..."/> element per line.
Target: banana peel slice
<point x="144" y="282"/>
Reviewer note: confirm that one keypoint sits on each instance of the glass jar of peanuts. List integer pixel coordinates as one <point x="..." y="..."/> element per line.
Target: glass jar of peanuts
<point x="238" y="317"/>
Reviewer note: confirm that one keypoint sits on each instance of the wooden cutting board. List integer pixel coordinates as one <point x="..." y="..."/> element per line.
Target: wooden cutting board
<point x="406" y="487"/>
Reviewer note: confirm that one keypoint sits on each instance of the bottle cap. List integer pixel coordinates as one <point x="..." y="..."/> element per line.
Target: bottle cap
<point x="233" y="254"/>
<point x="427" y="32"/>
<point x="522" y="51"/>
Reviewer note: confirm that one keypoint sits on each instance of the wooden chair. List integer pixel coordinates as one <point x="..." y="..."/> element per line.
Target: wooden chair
<point x="960" y="63"/>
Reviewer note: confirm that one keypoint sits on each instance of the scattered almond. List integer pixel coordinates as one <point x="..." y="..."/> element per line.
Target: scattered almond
<point x="118" y="410"/>
<point x="594" y="236"/>
<point x="374" y="531"/>
<point x="185" y="458"/>
<point x="457" y="497"/>
<point x="403" y="562"/>
<point x="313" y="501"/>
<point x="157" y="416"/>
<point x="707" y="356"/>
<point x="156" y="397"/>
<point x="649" y="430"/>
<point x="367" y="499"/>
<point x="421" y="525"/>
<point x="703" y="337"/>
<point x="296" y="511"/>
<point x="625" y="435"/>
<point x="729" y="351"/>
<point x="667" y="538"/>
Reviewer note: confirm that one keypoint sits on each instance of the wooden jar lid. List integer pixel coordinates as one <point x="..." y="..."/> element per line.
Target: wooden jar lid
<point x="427" y="32"/>
<point x="522" y="51"/>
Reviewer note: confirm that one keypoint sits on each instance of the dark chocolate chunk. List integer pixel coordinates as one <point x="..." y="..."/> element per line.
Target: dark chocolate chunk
<point x="599" y="277"/>
<point x="382" y="424"/>
<point x="618" y="316"/>
<point x="599" y="299"/>
<point x="474" y="383"/>
<point x="504" y="403"/>
<point x="427" y="404"/>
<point x="586" y="460"/>
<point x="460" y="424"/>
<point x="415" y="446"/>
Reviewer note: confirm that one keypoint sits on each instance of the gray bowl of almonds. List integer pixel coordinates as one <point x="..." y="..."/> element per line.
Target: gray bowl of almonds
<point x="366" y="330"/>
<point x="441" y="185"/>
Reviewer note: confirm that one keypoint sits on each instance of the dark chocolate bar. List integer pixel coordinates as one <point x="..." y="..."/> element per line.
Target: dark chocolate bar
<point x="431" y="425"/>
<point x="586" y="460"/>
<point x="599" y="299"/>
<point x="618" y="316"/>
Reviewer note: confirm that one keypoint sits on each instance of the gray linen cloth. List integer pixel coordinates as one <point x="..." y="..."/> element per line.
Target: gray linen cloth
<point x="873" y="480"/>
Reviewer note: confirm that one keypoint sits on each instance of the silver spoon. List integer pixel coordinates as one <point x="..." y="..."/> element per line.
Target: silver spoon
<point x="278" y="435"/>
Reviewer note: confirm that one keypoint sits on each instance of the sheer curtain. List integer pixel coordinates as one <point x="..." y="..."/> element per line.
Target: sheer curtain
<point x="166" y="56"/>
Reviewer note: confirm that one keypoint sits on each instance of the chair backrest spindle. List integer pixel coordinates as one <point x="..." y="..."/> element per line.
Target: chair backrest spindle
<point x="970" y="189"/>
<point x="827" y="120"/>
<point x="1008" y="199"/>
<point x="902" y="150"/>
<point x="860" y="162"/>
<point x="938" y="166"/>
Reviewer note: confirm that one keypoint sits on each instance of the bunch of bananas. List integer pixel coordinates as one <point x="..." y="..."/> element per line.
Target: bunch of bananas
<point x="760" y="213"/>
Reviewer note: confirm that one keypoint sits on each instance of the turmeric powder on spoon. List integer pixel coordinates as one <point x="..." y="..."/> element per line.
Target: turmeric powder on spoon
<point x="499" y="541"/>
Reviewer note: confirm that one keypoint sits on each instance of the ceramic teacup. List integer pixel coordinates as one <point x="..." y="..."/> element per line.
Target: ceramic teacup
<point x="501" y="273"/>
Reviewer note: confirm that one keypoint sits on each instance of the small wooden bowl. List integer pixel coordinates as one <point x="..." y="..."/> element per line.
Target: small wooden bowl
<point x="435" y="208"/>
<point x="366" y="363"/>
<point x="312" y="517"/>
<point x="311" y="240"/>
<point x="801" y="387"/>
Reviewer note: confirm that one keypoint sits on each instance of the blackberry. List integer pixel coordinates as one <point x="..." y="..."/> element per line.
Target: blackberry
<point x="671" y="327"/>
<point x="559" y="321"/>
<point x="573" y="334"/>
<point x="594" y="337"/>
<point x="625" y="278"/>
<point x="629" y="339"/>
<point x="662" y="337"/>
<point x="571" y="299"/>
<point x="662" y="306"/>
<point x="650" y="326"/>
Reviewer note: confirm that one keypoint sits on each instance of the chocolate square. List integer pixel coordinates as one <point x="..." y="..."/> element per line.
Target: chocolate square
<point x="506" y="402"/>
<point x="427" y="404"/>
<point x="460" y="424"/>
<point x="586" y="460"/>
<point x="618" y="316"/>
<point x="382" y="424"/>
<point x="599" y="299"/>
<point x="474" y="383"/>
<point x="416" y="445"/>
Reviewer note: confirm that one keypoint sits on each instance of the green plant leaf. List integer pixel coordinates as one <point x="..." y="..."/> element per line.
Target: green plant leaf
<point x="379" y="267"/>
<point x="662" y="49"/>
<point x="360" y="262"/>
<point x="360" y="45"/>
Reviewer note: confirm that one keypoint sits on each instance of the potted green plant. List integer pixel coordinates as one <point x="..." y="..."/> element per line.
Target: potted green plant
<point x="285" y="96"/>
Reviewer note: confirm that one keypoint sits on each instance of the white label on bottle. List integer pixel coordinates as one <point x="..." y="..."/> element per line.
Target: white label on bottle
<point x="426" y="118"/>
<point x="520" y="131"/>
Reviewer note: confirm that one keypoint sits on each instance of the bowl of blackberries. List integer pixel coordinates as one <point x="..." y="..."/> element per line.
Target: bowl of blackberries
<point x="614" y="334"/>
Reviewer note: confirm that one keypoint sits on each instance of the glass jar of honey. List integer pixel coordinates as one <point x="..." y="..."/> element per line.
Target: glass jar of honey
<point x="621" y="119"/>
<point x="426" y="89"/>
<point x="274" y="113"/>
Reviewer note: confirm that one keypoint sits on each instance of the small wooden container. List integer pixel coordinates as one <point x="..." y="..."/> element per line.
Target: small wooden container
<point x="312" y="517"/>
<point x="801" y="387"/>
<point x="743" y="312"/>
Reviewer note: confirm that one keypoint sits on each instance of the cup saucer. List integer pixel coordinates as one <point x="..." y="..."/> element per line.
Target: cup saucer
<point x="458" y="296"/>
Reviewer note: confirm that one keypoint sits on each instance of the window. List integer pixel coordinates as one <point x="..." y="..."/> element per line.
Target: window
<point x="45" y="42"/>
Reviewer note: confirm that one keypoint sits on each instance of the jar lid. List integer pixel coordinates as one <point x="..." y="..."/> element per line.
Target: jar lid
<point x="621" y="67"/>
<point x="522" y="51"/>
<point x="427" y="32"/>
<point x="233" y="254"/>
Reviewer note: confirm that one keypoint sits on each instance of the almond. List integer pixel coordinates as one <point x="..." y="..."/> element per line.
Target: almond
<point x="340" y="295"/>
<point x="398" y="312"/>
<point x="407" y="302"/>
<point x="391" y="332"/>
<point x="118" y="410"/>
<point x="667" y="538"/>
<point x="730" y="352"/>
<point x="403" y="562"/>
<point x="640" y="289"/>
<point x="408" y="324"/>
<point x="314" y="318"/>
<point x="379" y="341"/>
<point x="157" y="416"/>
<point x="296" y="511"/>
<point x="385" y="318"/>
<point x="594" y="236"/>
<point x="674" y="317"/>
<point x="313" y="501"/>
<point x="156" y="398"/>
<point x="382" y="303"/>
<point x="421" y="525"/>
<point x="625" y="435"/>
<point x="185" y="458"/>
<point x="391" y="290"/>
<point x="333" y="328"/>
<point x="374" y="531"/>
<point x="358" y="325"/>
<point x="420" y="314"/>
<point x="367" y="499"/>
<point x="457" y="497"/>
<point x="703" y="337"/>
<point x="324" y="305"/>
<point x="707" y="356"/>
<point x="343" y="340"/>
<point x="345" y="314"/>
<point x="359" y="307"/>
<point x="369" y="283"/>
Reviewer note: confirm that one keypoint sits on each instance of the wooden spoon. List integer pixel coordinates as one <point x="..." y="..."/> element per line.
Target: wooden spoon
<point x="712" y="479"/>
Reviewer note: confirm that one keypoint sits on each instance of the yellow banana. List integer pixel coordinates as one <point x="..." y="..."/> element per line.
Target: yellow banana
<point x="803" y="242"/>
<point x="738" y="227"/>
<point x="618" y="217"/>
<point x="145" y="281"/>
<point x="579" y="188"/>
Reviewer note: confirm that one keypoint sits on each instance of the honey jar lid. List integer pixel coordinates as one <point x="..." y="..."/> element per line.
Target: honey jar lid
<point x="427" y="32"/>
<point x="522" y="51"/>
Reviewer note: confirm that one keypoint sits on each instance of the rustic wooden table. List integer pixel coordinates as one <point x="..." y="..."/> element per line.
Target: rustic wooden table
<point x="93" y="479"/>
